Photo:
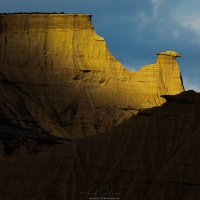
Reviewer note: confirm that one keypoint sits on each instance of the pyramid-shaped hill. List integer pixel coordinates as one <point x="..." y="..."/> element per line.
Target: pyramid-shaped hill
<point x="153" y="155"/>
<point x="57" y="76"/>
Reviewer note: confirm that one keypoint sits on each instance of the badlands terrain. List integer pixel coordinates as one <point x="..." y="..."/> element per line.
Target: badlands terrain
<point x="75" y="124"/>
<point x="58" y="76"/>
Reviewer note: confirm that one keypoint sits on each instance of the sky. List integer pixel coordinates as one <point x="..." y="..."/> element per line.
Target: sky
<point x="135" y="30"/>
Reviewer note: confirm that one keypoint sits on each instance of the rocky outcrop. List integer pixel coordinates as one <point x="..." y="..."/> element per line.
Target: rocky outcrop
<point x="153" y="155"/>
<point x="58" y="76"/>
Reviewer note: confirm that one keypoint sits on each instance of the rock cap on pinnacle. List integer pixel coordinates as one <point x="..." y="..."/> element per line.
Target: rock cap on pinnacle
<point x="170" y="53"/>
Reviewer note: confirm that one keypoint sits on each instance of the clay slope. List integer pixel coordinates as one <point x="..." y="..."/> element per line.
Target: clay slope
<point x="14" y="137"/>
<point x="58" y="76"/>
<point x="153" y="156"/>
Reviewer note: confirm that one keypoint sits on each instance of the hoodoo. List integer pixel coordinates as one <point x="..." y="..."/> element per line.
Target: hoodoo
<point x="58" y="76"/>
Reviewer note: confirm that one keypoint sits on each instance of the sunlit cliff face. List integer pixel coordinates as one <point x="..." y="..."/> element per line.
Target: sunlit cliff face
<point x="57" y="75"/>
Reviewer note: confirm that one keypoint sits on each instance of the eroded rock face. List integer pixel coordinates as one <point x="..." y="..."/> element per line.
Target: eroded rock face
<point x="153" y="155"/>
<point x="58" y="76"/>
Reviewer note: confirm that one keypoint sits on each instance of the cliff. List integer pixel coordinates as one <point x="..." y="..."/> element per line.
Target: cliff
<point x="154" y="155"/>
<point x="58" y="76"/>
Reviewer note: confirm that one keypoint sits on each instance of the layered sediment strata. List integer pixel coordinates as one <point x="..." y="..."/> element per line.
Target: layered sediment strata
<point x="153" y="155"/>
<point x="58" y="76"/>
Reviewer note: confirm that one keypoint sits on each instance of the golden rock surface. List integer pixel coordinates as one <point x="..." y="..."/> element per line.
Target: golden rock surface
<point x="170" y="53"/>
<point x="58" y="76"/>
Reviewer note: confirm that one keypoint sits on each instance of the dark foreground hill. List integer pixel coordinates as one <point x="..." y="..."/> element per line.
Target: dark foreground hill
<point x="152" y="156"/>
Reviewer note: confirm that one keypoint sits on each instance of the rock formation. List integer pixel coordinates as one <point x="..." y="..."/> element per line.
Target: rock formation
<point x="58" y="76"/>
<point x="154" y="155"/>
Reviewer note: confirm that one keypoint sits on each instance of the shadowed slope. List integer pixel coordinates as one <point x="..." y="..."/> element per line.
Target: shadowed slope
<point x="154" y="156"/>
<point x="13" y="137"/>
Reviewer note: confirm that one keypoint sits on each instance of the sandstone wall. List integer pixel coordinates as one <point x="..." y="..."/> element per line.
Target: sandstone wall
<point x="58" y="76"/>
